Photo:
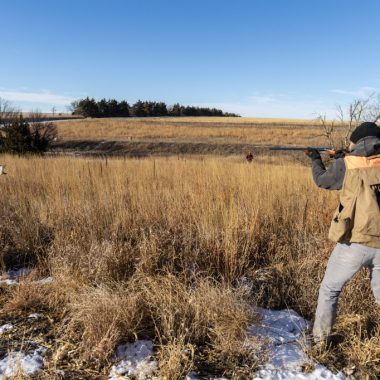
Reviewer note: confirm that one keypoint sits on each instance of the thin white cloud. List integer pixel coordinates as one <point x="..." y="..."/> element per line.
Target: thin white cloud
<point x="43" y="97"/>
<point x="359" y="93"/>
<point x="277" y="106"/>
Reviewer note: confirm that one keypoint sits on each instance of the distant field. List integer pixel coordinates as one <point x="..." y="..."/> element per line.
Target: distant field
<point x="192" y="134"/>
<point x="55" y="116"/>
<point x="207" y="120"/>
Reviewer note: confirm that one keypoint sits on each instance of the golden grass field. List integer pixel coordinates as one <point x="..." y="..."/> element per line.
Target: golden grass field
<point x="211" y="130"/>
<point x="173" y="249"/>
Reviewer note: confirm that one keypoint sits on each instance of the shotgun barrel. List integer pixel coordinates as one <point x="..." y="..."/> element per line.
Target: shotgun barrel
<point x="323" y="149"/>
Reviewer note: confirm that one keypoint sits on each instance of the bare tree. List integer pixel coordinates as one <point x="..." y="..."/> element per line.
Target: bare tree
<point x="7" y="112"/>
<point x="72" y="106"/>
<point x="337" y="132"/>
<point x="373" y="112"/>
<point x="43" y="132"/>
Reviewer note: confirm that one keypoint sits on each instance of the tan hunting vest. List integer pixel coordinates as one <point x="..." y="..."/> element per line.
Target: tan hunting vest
<point x="357" y="219"/>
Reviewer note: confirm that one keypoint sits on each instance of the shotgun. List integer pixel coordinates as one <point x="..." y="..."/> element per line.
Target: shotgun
<point x="330" y="152"/>
<point x="305" y="149"/>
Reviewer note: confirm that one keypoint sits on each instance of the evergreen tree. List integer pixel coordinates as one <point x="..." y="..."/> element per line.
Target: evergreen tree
<point x="112" y="108"/>
<point x="88" y="107"/>
<point x="103" y="108"/>
<point x="175" y="110"/>
<point x="124" y="109"/>
<point x="18" y="138"/>
<point x="159" y="109"/>
<point x="138" y="109"/>
<point x="21" y="137"/>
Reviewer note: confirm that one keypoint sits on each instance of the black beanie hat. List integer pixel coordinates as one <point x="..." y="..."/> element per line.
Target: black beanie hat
<point x="364" y="130"/>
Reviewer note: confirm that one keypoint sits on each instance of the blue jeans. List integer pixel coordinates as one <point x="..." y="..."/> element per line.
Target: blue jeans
<point x="344" y="262"/>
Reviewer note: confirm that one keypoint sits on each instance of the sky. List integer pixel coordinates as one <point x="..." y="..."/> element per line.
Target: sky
<point x="259" y="58"/>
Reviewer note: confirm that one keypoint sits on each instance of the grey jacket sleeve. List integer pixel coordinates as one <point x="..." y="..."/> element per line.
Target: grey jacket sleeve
<point x="330" y="178"/>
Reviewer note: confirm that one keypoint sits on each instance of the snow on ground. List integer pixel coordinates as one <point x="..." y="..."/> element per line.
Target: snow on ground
<point x="320" y="373"/>
<point x="12" y="276"/>
<point x="35" y="316"/>
<point x="284" y="330"/>
<point x="135" y="360"/>
<point x="6" y="327"/>
<point x="192" y="376"/>
<point x="16" y="362"/>
<point x="44" y="281"/>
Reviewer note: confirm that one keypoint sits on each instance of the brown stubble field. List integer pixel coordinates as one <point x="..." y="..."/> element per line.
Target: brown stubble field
<point x="174" y="249"/>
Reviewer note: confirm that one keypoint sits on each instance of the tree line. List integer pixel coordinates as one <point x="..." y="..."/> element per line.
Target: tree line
<point x="89" y="107"/>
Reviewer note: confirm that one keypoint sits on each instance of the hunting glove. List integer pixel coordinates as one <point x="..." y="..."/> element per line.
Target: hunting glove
<point x="313" y="153"/>
<point x="340" y="153"/>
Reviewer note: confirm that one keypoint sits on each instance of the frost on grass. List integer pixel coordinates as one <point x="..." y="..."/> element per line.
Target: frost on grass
<point x="135" y="360"/>
<point x="284" y="333"/>
<point x="21" y="363"/>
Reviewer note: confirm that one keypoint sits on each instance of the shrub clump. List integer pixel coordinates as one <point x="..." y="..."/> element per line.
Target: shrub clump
<point x="20" y="137"/>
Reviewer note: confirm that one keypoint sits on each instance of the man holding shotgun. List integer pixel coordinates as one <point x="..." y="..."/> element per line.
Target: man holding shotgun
<point x="356" y="223"/>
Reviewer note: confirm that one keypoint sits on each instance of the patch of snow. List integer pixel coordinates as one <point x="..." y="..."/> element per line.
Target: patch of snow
<point x="16" y="274"/>
<point x="12" y="276"/>
<point x="35" y="316"/>
<point x="6" y="327"/>
<point x="320" y="373"/>
<point x="284" y="332"/>
<point x="279" y="326"/>
<point x="44" y="281"/>
<point x="135" y="360"/>
<point x="60" y="372"/>
<point x="192" y="376"/>
<point x="16" y="362"/>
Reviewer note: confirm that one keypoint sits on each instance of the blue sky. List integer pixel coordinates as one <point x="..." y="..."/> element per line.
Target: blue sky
<point x="267" y="58"/>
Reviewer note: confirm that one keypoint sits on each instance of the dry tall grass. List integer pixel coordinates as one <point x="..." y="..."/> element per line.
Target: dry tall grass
<point x="174" y="250"/>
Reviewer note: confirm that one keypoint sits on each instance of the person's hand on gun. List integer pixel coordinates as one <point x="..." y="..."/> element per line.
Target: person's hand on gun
<point x="337" y="153"/>
<point x="313" y="153"/>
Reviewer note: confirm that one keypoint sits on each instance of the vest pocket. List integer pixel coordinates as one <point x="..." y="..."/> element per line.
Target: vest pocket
<point x="367" y="218"/>
<point x="341" y="226"/>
